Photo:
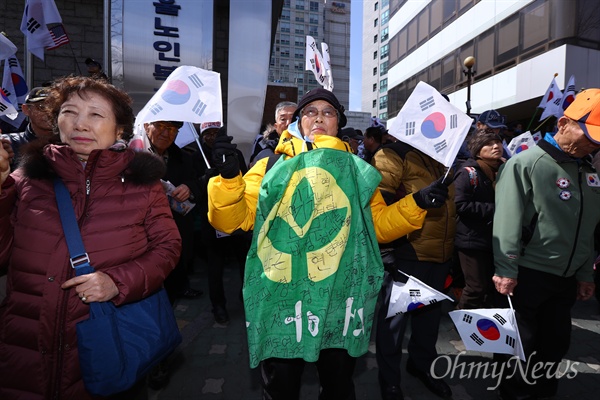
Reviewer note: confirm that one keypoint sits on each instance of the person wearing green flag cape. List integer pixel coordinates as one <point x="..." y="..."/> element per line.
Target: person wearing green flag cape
<point x="314" y="270"/>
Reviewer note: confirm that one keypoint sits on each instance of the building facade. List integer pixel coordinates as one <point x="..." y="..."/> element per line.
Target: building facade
<point x="519" y="45"/>
<point x="375" y="57"/>
<point x="324" y="20"/>
<point x="140" y="42"/>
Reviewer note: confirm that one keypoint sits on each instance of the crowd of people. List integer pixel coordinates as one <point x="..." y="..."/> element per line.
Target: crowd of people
<point x="323" y="220"/>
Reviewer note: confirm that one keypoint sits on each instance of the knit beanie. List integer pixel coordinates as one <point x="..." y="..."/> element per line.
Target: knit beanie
<point x="321" y="94"/>
<point x="479" y="139"/>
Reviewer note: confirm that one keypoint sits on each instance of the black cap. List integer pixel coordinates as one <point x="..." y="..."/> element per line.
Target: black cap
<point x="91" y="61"/>
<point x="349" y="133"/>
<point x="492" y="119"/>
<point x="36" y="94"/>
<point x="321" y="94"/>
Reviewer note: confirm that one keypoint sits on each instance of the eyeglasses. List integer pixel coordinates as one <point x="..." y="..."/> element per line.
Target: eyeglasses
<point x="163" y="126"/>
<point x="312" y="112"/>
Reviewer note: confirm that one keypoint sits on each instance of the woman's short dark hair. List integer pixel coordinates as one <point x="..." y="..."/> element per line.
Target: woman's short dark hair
<point x="62" y="88"/>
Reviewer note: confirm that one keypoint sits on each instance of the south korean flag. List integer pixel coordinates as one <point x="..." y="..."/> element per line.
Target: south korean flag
<point x="492" y="330"/>
<point x="429" y="123"/>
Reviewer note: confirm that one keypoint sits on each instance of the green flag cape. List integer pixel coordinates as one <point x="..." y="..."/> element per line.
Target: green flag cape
<point x="314" y="269"/>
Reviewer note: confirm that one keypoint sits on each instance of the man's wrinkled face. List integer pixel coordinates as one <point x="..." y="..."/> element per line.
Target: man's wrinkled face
<point x="284" y="118"/>
<point x="572" y="140"/>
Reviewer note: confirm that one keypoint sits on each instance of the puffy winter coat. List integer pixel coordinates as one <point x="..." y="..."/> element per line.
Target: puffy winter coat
<point x="232" y="202"/>
<point x="474" y="207"/>
<point x="406" y="170"/>
<point x="127" y="230"/>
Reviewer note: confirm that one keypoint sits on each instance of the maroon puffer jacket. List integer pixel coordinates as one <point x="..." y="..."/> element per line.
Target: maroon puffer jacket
<point x="128" y="232"/>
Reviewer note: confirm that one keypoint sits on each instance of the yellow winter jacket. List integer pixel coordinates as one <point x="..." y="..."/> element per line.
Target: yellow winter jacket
<point x="232" y="202"/>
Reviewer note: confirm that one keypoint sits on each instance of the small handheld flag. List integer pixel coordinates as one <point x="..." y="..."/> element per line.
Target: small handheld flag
<point x="520" y="143"/>
<point x="189" y="94"/>
<point x="431" y="124"/>
<point x="412" y="295"/>
<point x="491" y="330"/>
<point x="567" y="97"/>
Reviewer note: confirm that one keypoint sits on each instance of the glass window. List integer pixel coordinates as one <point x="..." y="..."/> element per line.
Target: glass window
<point x="385" y="3"/>
<point x="535" y="25"/>
<point x="375" y="55"/>
<point x="284" y="26"/>
<point x="393" y="43"/>
<point x="374" y="87"/>
<point x="435" y="75"/>
<point x="375" y="22"/>
<point x="299" y="41"/>
<point x="423" y="29"/>
<point x="383" y="85"/>
<point x="508" y="40"/>
<point x="298" y="53"/>
<point x="412" y="34"/>
<point x="374" y="103"/>
<point x="385" y="50"/>
<point x="402" y="43"/>
<point x="314" y="6"/>
<point x="385" y="34"/>
<point x="435" y="22"/>
<point x="383" y="68"/>
<point x="285" y="39"/>
<point x="299" y="4"/>
<point x="374" y="71"/>
<point x="449" y="10"/>
<point x="485" y="52"/>
<point x="448" y="68"/>
<point x="313" y="31"/>
<point x="299" y="18"/>
<point x="376" y="6"/>
<point x="285" y="15"/>
<point x="383" y="116"/>
<point x="464" y="5"/>
<point x="313" y="18"/>
<point x="383" y="101"/>
<point x="375" y="39"/>
<point x="299" y="29"/>
<point x="385" y="17"/>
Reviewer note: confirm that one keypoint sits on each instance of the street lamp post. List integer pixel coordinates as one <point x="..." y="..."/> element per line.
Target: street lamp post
<point x="469" y="72"/>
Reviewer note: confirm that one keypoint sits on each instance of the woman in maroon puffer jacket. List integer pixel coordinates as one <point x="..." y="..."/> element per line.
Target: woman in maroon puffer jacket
<point x="125" y="223"/>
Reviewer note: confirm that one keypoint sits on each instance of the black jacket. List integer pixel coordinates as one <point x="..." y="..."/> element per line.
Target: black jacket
<point x="474" y="199"/>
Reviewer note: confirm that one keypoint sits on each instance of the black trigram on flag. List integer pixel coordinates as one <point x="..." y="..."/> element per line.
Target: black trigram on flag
<point x="570" y="88"/>
<point x="2" y="107"/>
<point x="453" y="121"/>
<point x="195" y="81"/>
<point x="511" y="341"/>
<point x="467" y="318"/>
<point x="12" y="62"/>
<point x="440" y="146"/>
<point x="428" y="103"/>
<point x="155" y="108"/>
<point x="414" y="293"/>
<point x="199" y="107"/>
<point x="476" y="338"/>
<point x="433" y="301"/>
<point x="499" y="318"/>
<point x="410" y="128"/>
<point x="557" y="101"/>
<point x="7" y="93"/>
<point x="33" y="25"/>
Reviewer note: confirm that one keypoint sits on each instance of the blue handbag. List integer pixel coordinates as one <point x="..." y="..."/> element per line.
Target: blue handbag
<point x="117" y="345"/>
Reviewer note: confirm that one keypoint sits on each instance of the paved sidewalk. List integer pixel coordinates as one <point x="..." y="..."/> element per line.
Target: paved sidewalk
<point x="212" y="362"/>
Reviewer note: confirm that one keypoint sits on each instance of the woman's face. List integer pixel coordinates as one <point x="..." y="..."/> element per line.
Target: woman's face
<point x="492" y="151"/>
<point x="87" y="124"/>
<point x="319" y="118"/>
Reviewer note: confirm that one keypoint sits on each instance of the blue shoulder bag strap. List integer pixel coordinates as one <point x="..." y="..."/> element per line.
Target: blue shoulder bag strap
<point x="78" y="257"/>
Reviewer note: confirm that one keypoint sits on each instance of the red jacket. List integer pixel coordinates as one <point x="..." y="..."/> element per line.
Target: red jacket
<point x="128" y="232"/>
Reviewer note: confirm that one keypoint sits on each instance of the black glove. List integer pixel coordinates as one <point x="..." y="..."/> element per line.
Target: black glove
<point x="225" y="157"/>
<point x="432" y="196"/>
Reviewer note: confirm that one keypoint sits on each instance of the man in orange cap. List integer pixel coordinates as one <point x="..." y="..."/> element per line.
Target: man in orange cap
<point x="546" y="210"/>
